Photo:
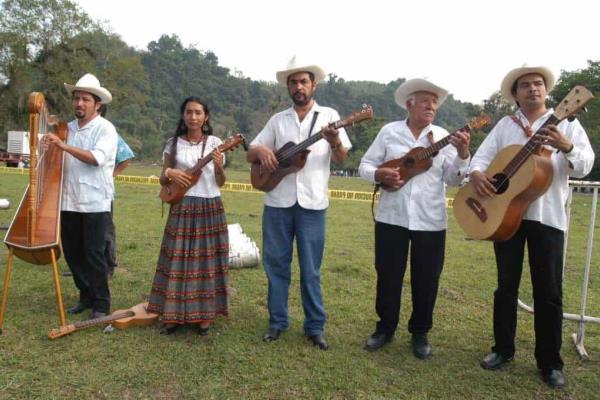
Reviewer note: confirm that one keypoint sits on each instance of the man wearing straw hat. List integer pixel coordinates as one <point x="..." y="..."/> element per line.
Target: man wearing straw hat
<point x="87" y="193"/>
<point x="296" y="207"/>
<point x="543" y="225"/>
<point x="412" y="214"/>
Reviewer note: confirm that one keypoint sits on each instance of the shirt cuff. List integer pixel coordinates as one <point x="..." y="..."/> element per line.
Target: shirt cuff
<point x="460" y="163"/>
<point x="99" y="156"/>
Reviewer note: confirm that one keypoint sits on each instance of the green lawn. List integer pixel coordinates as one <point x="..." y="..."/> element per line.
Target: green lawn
<point x="233" y="362"/>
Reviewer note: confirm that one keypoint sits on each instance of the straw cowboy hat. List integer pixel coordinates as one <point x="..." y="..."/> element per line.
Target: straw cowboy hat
<point x="89" y="83"/>
<point x="418" y="85"/>
<point x="510" y="79"/>
<point x="298" y="65"/>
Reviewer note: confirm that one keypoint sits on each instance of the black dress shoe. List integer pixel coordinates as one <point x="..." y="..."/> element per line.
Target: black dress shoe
<point x="494" y="361"/>
<point x="202" y="331"/>
<point x="77" y="308"/>
<point x="97" y="314"/>
<point x="169" y="329"/>
<point x="271" y="335"/>
<point x="420" y="345"/>
<point x="377" y="341"/>
<point x="554" y="378"/>
<point x="319" y="340"/>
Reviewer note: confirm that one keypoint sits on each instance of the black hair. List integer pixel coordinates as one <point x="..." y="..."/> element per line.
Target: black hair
<point x="181" y="128"/>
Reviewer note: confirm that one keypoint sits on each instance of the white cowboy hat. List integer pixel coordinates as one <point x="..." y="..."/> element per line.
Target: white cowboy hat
<point x="510" y="79"/>
<point x="89" y="83"/>
<point x="418" y="85"/>
<point x="296" y="65"/>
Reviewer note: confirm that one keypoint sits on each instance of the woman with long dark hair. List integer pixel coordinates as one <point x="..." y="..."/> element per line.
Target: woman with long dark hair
<point x="190" y="283"/>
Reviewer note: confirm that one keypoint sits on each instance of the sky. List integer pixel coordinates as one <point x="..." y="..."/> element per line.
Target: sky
<point x="464" y="46"/>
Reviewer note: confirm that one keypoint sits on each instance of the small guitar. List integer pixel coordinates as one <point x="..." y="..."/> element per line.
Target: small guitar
<point x="419" y="159"/>
<point x="172" y="192"/>
<point x="121" y="319"/>
<point x="292" y="157"/>
<point x="522" y="174"/>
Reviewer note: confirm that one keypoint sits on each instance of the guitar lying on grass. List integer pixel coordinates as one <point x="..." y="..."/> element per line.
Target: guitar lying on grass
<point x="419" y="159"/>
<point x="521" y="173"/>
<point x="172" y="192"/>
<point x="121" y="319"/>
<point x="292" y="157"/>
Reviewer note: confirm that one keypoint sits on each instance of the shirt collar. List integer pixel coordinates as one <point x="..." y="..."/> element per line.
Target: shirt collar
<point x="90" y="124"/>
<point x="524" y="119"/>
<point x="314" y="108"/>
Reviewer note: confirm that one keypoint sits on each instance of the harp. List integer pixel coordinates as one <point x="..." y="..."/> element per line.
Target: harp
<point x="34" y="234"/>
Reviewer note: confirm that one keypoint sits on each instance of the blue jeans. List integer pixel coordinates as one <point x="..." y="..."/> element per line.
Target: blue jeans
<point x="280" y="227"/>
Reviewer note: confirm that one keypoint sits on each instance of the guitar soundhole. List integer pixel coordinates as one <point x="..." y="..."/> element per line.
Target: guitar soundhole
<point x="409" y="163"/>
<point x="501" y="183"/>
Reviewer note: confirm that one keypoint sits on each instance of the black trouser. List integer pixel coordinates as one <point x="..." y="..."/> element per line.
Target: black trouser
<point x="545" y="249"/>
<point x="83" y="241"/>
<point x="111" y="243"/>
<point x="426" y="262"/>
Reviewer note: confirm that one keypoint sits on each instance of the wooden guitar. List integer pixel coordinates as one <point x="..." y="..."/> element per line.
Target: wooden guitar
<point x="292" y="157"/>
<point x="419" y="159"/>
<point x="121" y="319"/>
<point x="172" y="192"/>
<point x="522" y="174"/>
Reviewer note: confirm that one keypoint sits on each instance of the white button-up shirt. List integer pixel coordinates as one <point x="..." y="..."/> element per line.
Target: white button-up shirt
<point x="188" y="155"/>
<point x="308" y="186"/>
<point x="89" y="188"/>
<point x="420" y="205"/>
<point x="549" y="209"/>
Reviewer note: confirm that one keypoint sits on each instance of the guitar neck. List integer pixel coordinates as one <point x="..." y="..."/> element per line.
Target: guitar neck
<point x="102" y="320"/>
<point x="305" y="144"/>
<point x="437" y="146"/>
<point x="528" y="149"/>
<point x="196" y="169"/>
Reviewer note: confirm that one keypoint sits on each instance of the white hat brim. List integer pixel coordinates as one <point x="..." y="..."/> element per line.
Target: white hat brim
<point x="418" y="85"/>
<point x="105" y="96"/>
<point x="317" y="71"/>
<point x="515" y="74"/>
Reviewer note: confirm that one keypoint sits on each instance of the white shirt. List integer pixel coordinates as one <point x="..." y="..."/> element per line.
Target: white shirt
<point x="549" y="209"/>
<point x="309" y="185"/>
<point x="89" y="188"/>
<point x="188" y="155"/>
<point x="420" y="205"/>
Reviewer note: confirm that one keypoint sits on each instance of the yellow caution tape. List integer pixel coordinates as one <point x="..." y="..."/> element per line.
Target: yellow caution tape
<point x="233" y="187"/>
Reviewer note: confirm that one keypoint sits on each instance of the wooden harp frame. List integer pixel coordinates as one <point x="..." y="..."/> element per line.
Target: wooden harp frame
<point x="34" y="233"/>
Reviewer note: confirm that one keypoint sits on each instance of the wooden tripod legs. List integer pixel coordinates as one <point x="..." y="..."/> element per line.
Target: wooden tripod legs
<point x="7" y="275"/>
<point x="5" y="286"/>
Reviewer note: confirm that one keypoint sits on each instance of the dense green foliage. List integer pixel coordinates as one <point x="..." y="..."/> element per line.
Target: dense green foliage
<point x="44" y="43"/>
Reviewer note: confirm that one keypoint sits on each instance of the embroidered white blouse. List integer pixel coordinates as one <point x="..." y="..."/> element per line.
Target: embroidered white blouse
<point x="188" y="155"/>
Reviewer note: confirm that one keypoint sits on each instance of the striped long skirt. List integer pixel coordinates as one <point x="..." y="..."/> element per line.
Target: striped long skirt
<point x="190" y="283"/>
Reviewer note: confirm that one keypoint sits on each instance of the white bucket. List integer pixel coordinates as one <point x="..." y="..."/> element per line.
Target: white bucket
<point x="243" y="251"/>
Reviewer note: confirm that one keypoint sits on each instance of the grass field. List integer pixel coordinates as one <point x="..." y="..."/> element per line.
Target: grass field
<point x="233" y="362"/>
